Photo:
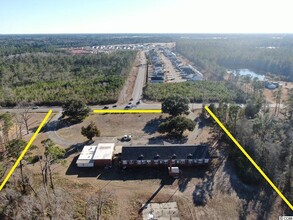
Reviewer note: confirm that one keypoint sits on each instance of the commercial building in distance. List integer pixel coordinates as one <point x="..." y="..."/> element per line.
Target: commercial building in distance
<point x="100" y="155"/>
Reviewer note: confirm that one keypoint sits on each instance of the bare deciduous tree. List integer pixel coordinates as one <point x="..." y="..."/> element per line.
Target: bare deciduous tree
<point x="53" y="154"/>
<point x="96" y="205"/>
<point x="25" y="115"/>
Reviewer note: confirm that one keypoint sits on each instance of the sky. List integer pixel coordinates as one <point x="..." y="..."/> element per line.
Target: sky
<point x="145" y="16"/>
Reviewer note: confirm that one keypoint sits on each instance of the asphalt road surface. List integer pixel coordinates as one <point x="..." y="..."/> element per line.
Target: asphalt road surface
<point x="140" y="79"/>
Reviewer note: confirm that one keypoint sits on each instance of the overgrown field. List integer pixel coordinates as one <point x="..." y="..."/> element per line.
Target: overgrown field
<point x="46" y="78"/>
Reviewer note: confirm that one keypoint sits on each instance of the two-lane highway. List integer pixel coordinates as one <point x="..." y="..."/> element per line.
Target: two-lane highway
<point x="140" y="78"/>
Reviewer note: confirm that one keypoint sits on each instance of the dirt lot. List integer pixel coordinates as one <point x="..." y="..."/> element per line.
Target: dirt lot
<point x="286" y="86"/>
<point x="114" y="126"/>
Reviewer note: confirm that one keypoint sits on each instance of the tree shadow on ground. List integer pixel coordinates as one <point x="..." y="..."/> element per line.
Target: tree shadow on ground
<point x="150" y="199"/>
<point x="152" y="126"/>
<point x="175" y="139"/>
<point x="247" y="193"/>
<point x="168" y="139"/>
<point x="204" y="190"/>
<point x="55" y="125"/>
<point x="75" y="148"/>
<point x="188" y="173"/>
<point x="182" y="183"/>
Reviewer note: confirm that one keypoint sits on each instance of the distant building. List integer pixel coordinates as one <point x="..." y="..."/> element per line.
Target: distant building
<point x="172" y="155"/>
<point x="271" y="85"/>
<point x="100" y="155"/>
<point x="157" y="79"/>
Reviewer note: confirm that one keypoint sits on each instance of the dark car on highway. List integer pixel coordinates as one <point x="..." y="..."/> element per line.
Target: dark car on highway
<point x="128" y="107"/>
<point x="106" y="107"/>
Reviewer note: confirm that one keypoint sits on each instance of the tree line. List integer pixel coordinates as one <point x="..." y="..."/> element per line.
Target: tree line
<point x="198" y="91"/>
<point x="51" y="79"/>
<point x="19" y="44"/>
<point x="263" y="54"/>
<point x="267" y="137"/>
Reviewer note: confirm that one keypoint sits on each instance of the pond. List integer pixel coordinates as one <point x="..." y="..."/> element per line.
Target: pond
<point x="247" y="72"/>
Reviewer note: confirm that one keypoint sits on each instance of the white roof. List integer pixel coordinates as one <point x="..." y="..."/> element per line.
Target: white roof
<point x="87" y="153"/>
<point x="104" y="151"/>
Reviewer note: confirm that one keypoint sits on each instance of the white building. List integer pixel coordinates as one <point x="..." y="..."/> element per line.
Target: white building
<point x="100" y="155"/>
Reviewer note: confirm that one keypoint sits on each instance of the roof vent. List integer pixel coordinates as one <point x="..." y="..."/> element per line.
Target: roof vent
<point x="157" y="156"/>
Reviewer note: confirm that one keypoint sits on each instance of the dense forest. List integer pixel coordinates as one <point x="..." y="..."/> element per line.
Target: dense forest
<point x="260" y="53"/>
<point x="268" y="139"/>
<point x="198" y="91"/>
<point x="52" y="78"/>
<point x="17" y="44"/>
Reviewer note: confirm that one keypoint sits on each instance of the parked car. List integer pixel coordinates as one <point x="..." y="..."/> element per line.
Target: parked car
<point x="138" y="102"/>
<point x="131" y="99"/>
<point x="106" y="107"/>
<point x="128" y="107"/>
<point x="35" y="107"/>
<point x="114" y="106"/>
<point x="126" y="138"/>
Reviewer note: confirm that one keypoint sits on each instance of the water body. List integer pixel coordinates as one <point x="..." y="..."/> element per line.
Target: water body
<point x="247" y="72"/>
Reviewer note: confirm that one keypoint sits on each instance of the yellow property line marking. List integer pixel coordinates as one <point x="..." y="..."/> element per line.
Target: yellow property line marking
<point x="25" y="150"/>
<point x="249" y="158"/>
<point x="142" y="111"/>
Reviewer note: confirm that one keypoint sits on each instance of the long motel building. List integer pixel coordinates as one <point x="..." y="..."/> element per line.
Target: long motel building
<point x="165" y="155"/>
<point x="144" y="155"/>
